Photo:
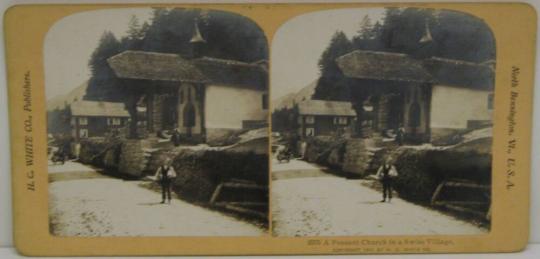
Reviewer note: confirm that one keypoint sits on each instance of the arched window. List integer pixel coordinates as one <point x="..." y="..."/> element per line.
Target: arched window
<point x="181" y="96"/>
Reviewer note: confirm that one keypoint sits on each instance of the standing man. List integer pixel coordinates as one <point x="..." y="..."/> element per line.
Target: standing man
<point x="400" y="134"/>
<point x="386" y="174"/>
<point x="175" y="138"/>
<point x="165" y="175"/>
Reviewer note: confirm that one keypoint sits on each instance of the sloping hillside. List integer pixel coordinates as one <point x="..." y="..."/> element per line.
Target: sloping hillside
<point x="289" y="100"/>
<point x="59" y="101"/>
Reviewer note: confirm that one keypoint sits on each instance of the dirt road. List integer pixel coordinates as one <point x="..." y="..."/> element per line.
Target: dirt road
<point x="83" y="202"/>
<point x="307" y="201"/>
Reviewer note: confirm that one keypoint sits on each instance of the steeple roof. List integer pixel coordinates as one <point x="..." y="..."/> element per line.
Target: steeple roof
<point x="197" y="37"/>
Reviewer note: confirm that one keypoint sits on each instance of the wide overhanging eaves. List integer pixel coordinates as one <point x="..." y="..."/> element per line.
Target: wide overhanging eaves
<point x="389" y="66"/>
<point x="155" y="66"/>
<point x="172" y="67"/>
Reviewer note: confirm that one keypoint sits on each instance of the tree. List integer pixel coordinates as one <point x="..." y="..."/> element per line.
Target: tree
<point x="368" y="36"/>
<point x="102" y="77"/>
<point x="366" y="28"/>
<point x="455" y="35"/>
<point x="108" y="46"/>
<point x="134" y="31"/>
<point x="331" y="84"/>
<point x="228" y="36"/>
<point x="339" y="45"/>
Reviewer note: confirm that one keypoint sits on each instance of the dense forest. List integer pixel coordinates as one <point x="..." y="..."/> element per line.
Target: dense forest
<point x="418" y="32"/>
<point x="227" y="35"/>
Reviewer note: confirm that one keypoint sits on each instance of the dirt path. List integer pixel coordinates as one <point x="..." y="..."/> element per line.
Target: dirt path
<point x="306" y="201"/>
<point x="83" y="202"/>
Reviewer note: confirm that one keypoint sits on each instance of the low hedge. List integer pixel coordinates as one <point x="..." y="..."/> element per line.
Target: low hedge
<point x="421" y="171"/>
<point x="200" y="171"/>
<point x="92" y="151"/>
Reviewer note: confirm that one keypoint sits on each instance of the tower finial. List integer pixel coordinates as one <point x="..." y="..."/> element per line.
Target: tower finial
<point x="197" y="37"/>
<point x="427" y="34"/>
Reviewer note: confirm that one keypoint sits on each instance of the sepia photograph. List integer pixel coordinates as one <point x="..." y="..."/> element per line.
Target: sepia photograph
<point x="157" y="123"/>
<point x="382" y="123"/>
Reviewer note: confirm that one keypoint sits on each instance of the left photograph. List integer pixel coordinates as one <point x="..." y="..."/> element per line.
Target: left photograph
<point x="157" y="123"/>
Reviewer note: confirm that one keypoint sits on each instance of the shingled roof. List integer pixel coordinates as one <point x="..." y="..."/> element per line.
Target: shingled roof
<point x="402" y="67"/>
<point x="172" y="67"/>
<point x="98" y="109"/>
<point x="155" y="66"/>
<point x="330" y="108"/>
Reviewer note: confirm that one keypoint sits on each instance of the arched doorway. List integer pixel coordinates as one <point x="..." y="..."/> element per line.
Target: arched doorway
<point x="415" y="113"/>
<point x="188" y="115"/>
<point x="395" y="112"/>
<point x="169" y="113"/>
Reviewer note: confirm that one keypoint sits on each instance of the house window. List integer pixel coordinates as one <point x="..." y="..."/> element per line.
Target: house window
<point x="265" y="101"/>
<point x="310" y="132"/>
<point x="83" y="133"/>
<point x="116" y="121"/>
<point x="310" y="119"/>
<point x="340" y="120"/>
<point x="490" y="102"/>
<point x="83" y="121"/>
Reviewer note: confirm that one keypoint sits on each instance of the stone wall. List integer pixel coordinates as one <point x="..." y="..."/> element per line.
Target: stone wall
<point x="111" y="159"/>
<point x="361" y="156"/>
<point x="91" y="150"/>
<point x="158" y="159"/>
<point x="356" y="156"/>
<point x="200" y="171"/>
<point x="222" y="137"/>
<point x="446" y="136"/>
<point x="134" y="157"/>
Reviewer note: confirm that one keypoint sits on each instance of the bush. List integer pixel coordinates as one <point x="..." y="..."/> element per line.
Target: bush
<point x="199" y="172"/>
<point x="318" y="148"/>
<point x="420" y="171"/>
<point x="92" y="151"/>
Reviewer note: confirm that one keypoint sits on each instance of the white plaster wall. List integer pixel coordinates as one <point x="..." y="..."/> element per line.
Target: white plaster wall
<point x="227" y="106"/>
<point x="452" y="107"/>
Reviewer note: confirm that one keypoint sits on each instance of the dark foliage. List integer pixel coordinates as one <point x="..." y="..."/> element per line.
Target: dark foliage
<point x="418" y="32"/>
<point x="103" y="80"/>
<point x="199" y="172"/>
<point x="332" y="84"/>
<point x="420" y="171"/>
<point x="284" y="120"/>
<point x="227" y="36"/>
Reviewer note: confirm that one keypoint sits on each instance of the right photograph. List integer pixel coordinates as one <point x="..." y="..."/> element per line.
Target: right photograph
<point x="382" y="123"/>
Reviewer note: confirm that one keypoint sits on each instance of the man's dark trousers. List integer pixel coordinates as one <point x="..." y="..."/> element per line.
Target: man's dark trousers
<point x="165" y="189"/>
<point x="387" y="188"/>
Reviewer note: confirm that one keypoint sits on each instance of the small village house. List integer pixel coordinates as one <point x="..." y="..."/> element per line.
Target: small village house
<point x="324" y="118"/>
<point x="432" y="98"/>
<point x="204" y="98"/>
<point x="96" y="119"/>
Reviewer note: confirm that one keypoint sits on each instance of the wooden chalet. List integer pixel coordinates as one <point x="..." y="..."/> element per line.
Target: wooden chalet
<point x="324" y="118"/>
<point x="96" y="119"/>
